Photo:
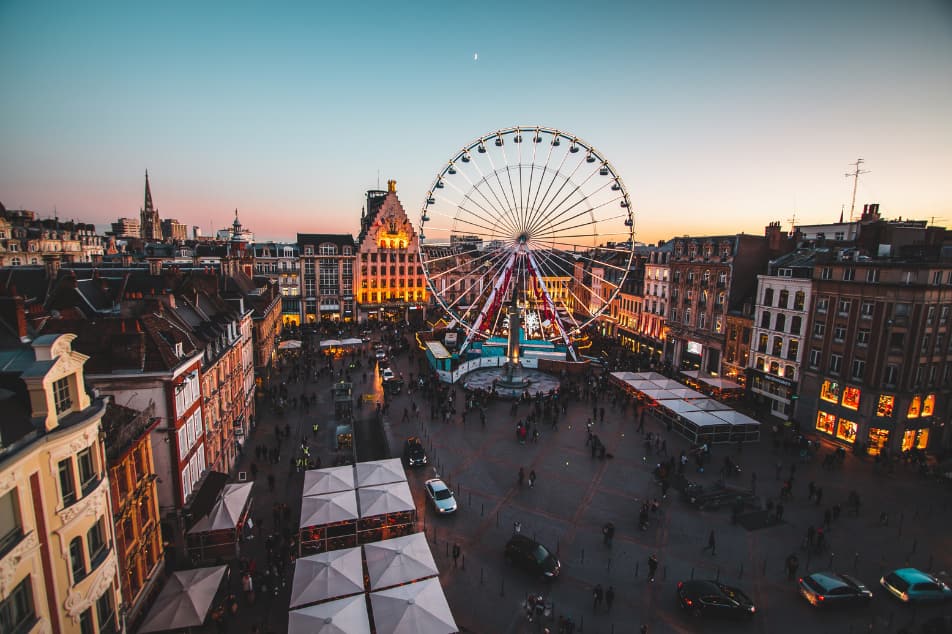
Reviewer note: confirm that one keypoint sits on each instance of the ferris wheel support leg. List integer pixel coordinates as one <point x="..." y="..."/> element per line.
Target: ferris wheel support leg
<point x="503" y="277"/>
<point x="548" y="299"/>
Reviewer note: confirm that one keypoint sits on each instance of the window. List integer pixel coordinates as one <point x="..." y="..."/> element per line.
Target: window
<point x="798" y="300"/>
<point x="86" y="622"/>
<point x="825" y="422"/>
<point x="844" y="307"/>
<point x="76" y="560"/>
<point x="106" y="611"/>
<point x="839" y="332"/>
<point x="67" y="481"/>
<point x="61" y="395"/>
<point x="87" y="470"/>
<point x="819" y="329"/>
<point x="17" y="611"/>
<point x="851" y="397"/>
<point x="849" y="273"/>
<point x="765" y="319"/>
<point x="795" y="325"/>
<point x="915" y="407"/>
<point x="866" y="310"/>
<point x="937" y="277"/>
<point x="768" y="297"/>
<point x="885" y="405"/>
<point x="836" y="361"/>
<point x="872" y="275"/>
<point x="892" y="375"/>
<point x="822" y="304"/>
<point x="327" y="249"/>
<point x="858" y="369"/>
<point x="780" y="322"/>
<point x="96" y="543"/>
<point x="308" y="250"/>
<point x="784" y="299"/>
<point x="11" y="528"/>
<point x="793" y="349"/>
<point x="826" y="273"/>
<point x="846" y="430"/>
<point x="777" y="347"/>
<point x="862" y="337"/>
<point x="760" y="363"/>
<point x="830" y="391"/>
<point x="944" y="314"/>
<point x="814" y="357"/>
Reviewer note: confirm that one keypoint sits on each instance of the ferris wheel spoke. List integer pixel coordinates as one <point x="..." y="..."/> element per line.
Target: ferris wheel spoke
<point x="547" y="244"/>
<point x="511" y="206"/>
<point x="516" y="204"/>
<point x="498" y="211"/>
<point x="571" y="313"/>
<point x="581" y="255"/>
<point x="590" y="210"/>
<point x="500" y="281"/>
<point x="465" y="196"/>
<point x="457" y="219"/>
<point x="544" y="206"/>
<point x="463" y="318"/>
<point x="539" y="205"/>
<point x="548" y="213"/>
<point x="494" y="268"/>
<point x="505" y="209"/>
<point x="600" y="279"/>
<point x="542" y="172"/>
<point x="548" y="300"/>
<point x="463" y="263"/>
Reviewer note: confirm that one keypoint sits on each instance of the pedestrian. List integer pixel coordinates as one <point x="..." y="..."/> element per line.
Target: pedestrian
<point x="517" y="527"/>
<point x="456" y="553"/>
<point x="644" y="629"/>
<point x="532" y="478"/>
<point x="711" y="544"/>
<point x="779" y="469"/>
<point x="811" y="489"/>
<point x="792" y="564"/>
<point x="819" y="495"/>
<point x="827" y="518"/>
<point x="608" y="532"/>
<point x="652" y="567"/>
<point x="811" y="534"/>
<point x="522" y="476"/>
<point x="609" y="597"/>
<point x="779" y="511"/>
<point x="596" y="597"/>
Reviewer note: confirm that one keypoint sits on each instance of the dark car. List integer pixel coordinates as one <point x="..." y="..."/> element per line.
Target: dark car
<point x="393" y="386"/>
<point x="532" y="556"/>
<point x="712" y="598"/>
<point x="830" y="589"/>
<point x="413" y="452"/>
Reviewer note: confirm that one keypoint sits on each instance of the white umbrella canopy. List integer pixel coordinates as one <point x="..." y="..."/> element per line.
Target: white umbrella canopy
<point x="330" y="343"/>
<point x="344" y="616"/>
<point x="329" y="575"/>
<point x="380" y="472"/>
<point x="329" y="508"/>
<point x="399" y="560"/>
<point x="290" y="344"/>
<point x="227" y="510"/>
<point x="185" y="599"/>
<point x="386" y="498"/>
<point x="415" y="608"/>
<point x="352" y="342"/>
<point x="330" y="480"/>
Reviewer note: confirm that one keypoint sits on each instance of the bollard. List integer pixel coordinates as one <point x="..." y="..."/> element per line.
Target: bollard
<point x="832" y="555"/>
<point x="482" y="509"/>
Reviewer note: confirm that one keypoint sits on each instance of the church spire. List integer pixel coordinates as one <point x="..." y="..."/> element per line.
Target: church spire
<point x="148" y="193"/>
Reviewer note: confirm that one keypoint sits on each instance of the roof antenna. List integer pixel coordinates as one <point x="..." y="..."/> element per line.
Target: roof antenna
<point x="855" y="174"/>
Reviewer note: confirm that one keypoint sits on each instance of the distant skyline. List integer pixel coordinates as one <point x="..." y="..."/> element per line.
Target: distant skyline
<point x="720" y="117"/>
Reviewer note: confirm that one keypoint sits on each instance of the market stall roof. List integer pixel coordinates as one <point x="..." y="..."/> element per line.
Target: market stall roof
<point x="736" y="418"/>
<point x="185" y="599"/>
<point x="624" y="376"/>
<point x="710" y="405"/>
<point x="329" y="575"/>
<point x="227" y="511"/>
<point x="667" y="384"/>
<point x="414" y="608"/>
<point x="352" y="342"/>
<point x="399" y="560"/>
<point x="329" y="508"/>
<point x="685" y="392"/>
<point x="344" y="616"/>
<point x="330" y="480"/>
<point x="385" y="498"/>
<point x="713" y="381"/>
<point x="660" y="395"/>
<point x="330" y="343"/>
<point x="380" y="472"/>
<point x="704" y="419"/>
<point x="290" y="344"/>
<point x="644" y="384"/>
<point x="679" y="406"/>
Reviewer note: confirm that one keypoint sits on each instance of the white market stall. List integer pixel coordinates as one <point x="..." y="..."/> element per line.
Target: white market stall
<point x="328" y="521"/>
<point x="414" y="608"/>
<point x="185" y="600"/>
<point x="343" y="616"/>
<point x="328" y="575"/>
<point x="400" y="560"/>
<point x="218" y="534"/>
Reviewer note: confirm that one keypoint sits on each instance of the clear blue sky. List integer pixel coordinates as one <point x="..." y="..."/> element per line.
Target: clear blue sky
<point x="720" y="116"/>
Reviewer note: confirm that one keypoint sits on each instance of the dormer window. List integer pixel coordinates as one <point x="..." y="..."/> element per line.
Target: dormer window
<point x="61" y="395"/>
<point x="178" y="350"/>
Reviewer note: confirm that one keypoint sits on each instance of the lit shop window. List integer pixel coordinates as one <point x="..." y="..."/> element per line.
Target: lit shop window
<point x="928" y="405"/>
<point x="846" y="430"/>
<point x="851" y="397"/>
<point x="886" y="403"/>
<point x="915" y="439"/>
<point x="825" y="422"/>
<point x="915" y="407"/>
<point x="830" y="391"/>
<point x="876" y="441"/>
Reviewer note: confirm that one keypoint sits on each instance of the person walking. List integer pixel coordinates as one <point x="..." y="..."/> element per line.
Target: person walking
<point x="711" y="544"/>
<point x="792" y="564"/>
<point x="522" y="476"/>
<point x="609" y="597"/>
<point x="596" y="597"/>
<point x="652" y="567"/>
<point x="608" y="532"/>
<point x="456" y="553"/>
<point x="818" y="496"/>
<point x="532" y="478"/>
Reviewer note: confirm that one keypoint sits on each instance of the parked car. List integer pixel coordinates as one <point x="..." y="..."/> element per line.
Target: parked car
<point x="387" y="374"/>
<point x="440" y="495"/>
<point x="414" y="455"/>
<point x="532" y="556"/>
<point x="393" y="387"/>
<point x="712" y="598"/>
<point x="831" y="589"/>
<point x="911" y="585"/>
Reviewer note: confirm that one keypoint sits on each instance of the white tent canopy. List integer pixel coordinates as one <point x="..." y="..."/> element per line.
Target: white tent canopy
<point x="185" y="599"/>
<point x="704" y="419"/>
<point x="290" y="344"/>
<point x="736" y="418"/>
<point x="352" y="342"/>
<point x="679" y="406"/>
<point x="624" y="376"/>
<point x="344" y="616"/>
<point x="710" y="405"/>
<point x="329" y="508"/>
<point x="399" y="560"/>
<point x="336" y="573"/>
<point x="380" y="472"/>
<point x="227" y="510"/>
<point x="330" y="480"/>
<point x="330" y="343"/>
<point x="415" y="608"/>
<point x="384" y="499"/>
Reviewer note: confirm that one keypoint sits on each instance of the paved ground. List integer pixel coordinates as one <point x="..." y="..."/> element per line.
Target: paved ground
<point x="575" y="495"/>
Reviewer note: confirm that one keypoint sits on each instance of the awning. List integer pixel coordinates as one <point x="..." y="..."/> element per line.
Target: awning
<point x="380" y="472"/>
<point x="330" y="575"/>
<point x="185" y="599"/>
<point x="330" y="480"/>
<point x="344" y="616"/>
<point x="207" y="494"/>
<point x="392" y="562"/>
<point x="384" y="499"/>
<point x="317" y="510"/>
<point x="415" y="608"/>
<point x="352" y="342"/>
<point x="330" y="343"/>
<point x="227" y="511"/>
<point x="290" y="344"/>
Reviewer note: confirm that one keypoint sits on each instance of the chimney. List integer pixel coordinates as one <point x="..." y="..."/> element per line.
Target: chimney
<point x="155" y="266"/>
<point x="52" y="264"/>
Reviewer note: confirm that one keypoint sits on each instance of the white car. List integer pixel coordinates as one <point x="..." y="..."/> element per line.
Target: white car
<point x="387" y="374"/>
<point x="380" y="354"/>
<point x="440" y="495"/>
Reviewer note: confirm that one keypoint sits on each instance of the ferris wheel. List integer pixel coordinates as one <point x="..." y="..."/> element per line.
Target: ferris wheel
<point x="527" y="216"/>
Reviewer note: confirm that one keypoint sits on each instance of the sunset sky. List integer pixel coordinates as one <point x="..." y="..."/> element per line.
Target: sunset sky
<point x="720" y="116"/>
